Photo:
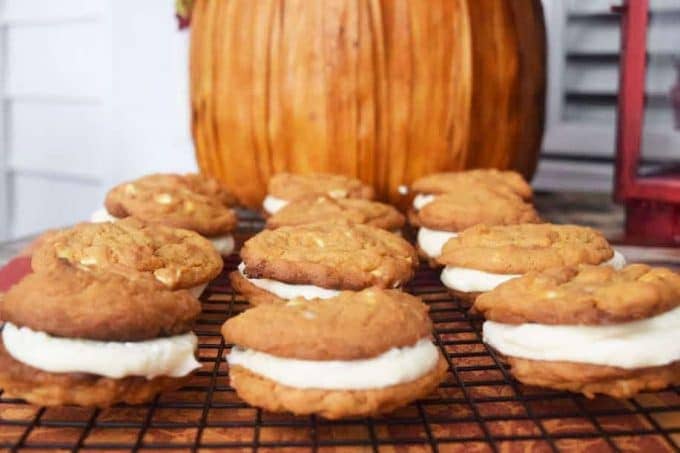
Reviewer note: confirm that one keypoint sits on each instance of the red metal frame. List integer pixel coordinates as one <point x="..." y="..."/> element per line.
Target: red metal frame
<point x="652" y="202"/>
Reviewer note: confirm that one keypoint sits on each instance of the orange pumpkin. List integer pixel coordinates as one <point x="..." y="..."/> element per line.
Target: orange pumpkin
<point x="384" y="90"/>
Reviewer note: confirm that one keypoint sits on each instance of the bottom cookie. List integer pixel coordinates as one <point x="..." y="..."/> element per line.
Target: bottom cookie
<point x="252" y="293"/>
<point x="593" y="379"/>
<point x="43" y="388"/>
<point x="261" y="392"/>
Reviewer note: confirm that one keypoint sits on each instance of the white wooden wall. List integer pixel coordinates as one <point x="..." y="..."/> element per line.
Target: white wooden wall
<point x="93" y="91"/>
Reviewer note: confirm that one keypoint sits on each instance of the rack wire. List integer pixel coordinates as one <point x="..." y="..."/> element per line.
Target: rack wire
<point x="478" y="408"/>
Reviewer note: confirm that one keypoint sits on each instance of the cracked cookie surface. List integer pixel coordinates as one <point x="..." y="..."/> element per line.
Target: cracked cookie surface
<point x="353" y="325"/>
<point x="337" y="255"/>
<point x="518" y="249"/>
<point x="65" y="300"/>
<point x="477" y="204"/>
<point x="583" y="295"/>
<point x="290" y="186"/>
<point x="505" y="181"/>
<point x="188" y="201"/>
<point x="177" y="258"/>
<point x="319" y="208"/>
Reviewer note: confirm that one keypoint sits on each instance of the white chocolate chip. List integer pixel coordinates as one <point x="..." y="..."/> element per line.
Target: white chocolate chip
<point x="319" y="242"/>
<point x="163" y="198"/>
<point x="402" y="189"/>
<point x="64" y="253"/>
<point x="169" y="277"/>
<point x="130" y="189"/>
<point x="309" y="314"/>
<point x="338" y="193"/>
<point x="88" y="260"/>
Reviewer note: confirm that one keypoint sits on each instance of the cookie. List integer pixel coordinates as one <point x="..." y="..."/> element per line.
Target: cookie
<point x="584" y="295"/>
<point x="591" y="380"/>
<point x="482" y="257"/>
<point x="503" y="180"/>
<point x="177" y="258"/>
<point x="285" y="187"/>
<point x="360" y="353"/>
<point x="115" y="305"/>
<point x="588" y="329"/>
<point x="449" y="213"/>
<point x="42" y="388"/>
<point x="191" y="202"/>
<point x="323" y="208"/>
<point x="320" y="259"/>
<point x="74" y="335"/>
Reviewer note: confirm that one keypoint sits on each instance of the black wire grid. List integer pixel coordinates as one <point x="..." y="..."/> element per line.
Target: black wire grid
<point x="478" y="408"/>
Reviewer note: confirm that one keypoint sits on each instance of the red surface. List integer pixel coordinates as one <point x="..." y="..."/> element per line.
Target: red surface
<point x="652" y="202"/>
<point x="652" y="219"/>
<point x="15" y="270"/>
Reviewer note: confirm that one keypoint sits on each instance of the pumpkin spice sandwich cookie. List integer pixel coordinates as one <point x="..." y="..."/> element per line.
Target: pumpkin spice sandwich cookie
<point x="357" y="354"/>
<point x="95" y="338"/>
<point x="506" y="181"/>
<point x="193" y="202"/>
<point x="482" y="257"/>
<point x="323" y="208"/>
<point x="473" y="204"/>
<point x="588" y="329"/>
<point x="319" y="260"/>
<point x="180" y="259"/>
<point x="285" y="187"/>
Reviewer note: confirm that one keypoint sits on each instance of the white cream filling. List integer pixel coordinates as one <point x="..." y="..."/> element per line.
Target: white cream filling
<point x="421" y="200"/>
<point x="223" y="244"/>
<point x="101" y="216"/>
<point x="287" y="290"/>
<point x="272" y="204"/>
<point x="196" y="291"/>
<point x="432" y="241"/>
<point x="396" y="366"/>
<point x="171" y="356"/>
<point x="618" y="261"/>
<point x="472" y="280"/>
<point x="645" y="343"/>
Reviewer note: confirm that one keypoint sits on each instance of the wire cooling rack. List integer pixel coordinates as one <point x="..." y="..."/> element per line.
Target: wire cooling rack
<point x="478" y="408"/>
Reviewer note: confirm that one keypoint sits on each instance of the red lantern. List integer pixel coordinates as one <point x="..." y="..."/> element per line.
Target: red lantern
<point x="652" y="201"/>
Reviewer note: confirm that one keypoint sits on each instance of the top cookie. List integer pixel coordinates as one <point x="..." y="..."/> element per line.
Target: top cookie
<point x="183" y="201"/>
<point x="323" y="208"/>
<point x="113" y="305"/>
<point x="353" y="325"/>
<point x="518" y="249"/>
<point x="289" y="186"/>
<point x="177" y="258"/>
<point x="336" y="255"/>
<point x="505" y="181"/>
<point x="590" y="295"/>
<point x="477" y="204"/>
